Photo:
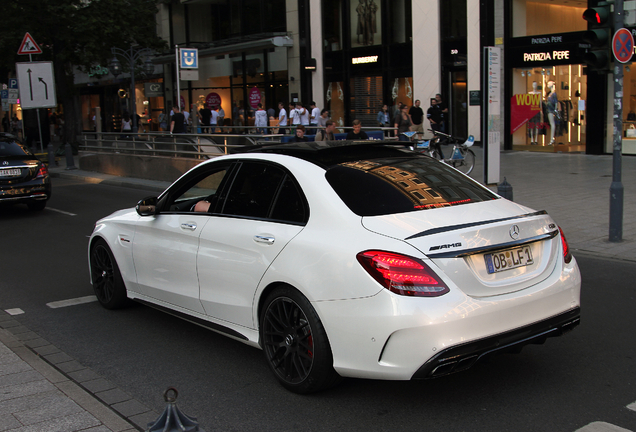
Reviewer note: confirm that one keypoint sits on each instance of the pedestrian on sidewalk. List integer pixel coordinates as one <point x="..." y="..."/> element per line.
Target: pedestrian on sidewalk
<point x="417" y="117"/>
<point x="260" y="120"/>
<point x="402" y="122"/>
<point x="177" y="121"/>
<point x="282" y="118"/>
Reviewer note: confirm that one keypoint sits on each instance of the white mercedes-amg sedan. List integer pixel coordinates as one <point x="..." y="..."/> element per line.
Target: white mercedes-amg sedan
<point x="342" y="260"/>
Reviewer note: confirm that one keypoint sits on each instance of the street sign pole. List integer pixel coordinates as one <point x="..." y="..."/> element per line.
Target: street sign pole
<point x="616" y="188"/>
<point x="178" y="101"/>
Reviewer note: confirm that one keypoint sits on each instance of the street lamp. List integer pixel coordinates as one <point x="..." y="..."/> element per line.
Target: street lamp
<point x="132" y="55"/>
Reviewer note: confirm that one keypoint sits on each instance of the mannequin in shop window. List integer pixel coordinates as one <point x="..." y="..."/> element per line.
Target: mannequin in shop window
<point x="535" y="122"/>
<point x="553" y="107"/>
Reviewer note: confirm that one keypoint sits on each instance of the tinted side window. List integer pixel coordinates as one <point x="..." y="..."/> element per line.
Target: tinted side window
<point x="253" y="190"/>
<point x="290" y="203"/>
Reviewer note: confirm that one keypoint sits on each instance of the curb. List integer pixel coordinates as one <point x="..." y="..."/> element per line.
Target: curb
<point x="117" y="410"/>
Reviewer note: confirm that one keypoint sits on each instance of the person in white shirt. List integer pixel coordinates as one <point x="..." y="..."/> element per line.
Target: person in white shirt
<point x="313" y="118"/>
<point x="294" y="114"/>
<point x="282" y="118"/>
<point x="304" y="114"/>
<point x="214" y="120"/>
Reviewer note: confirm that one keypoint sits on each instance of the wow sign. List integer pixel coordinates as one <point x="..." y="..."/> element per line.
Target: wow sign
<point x="522" y="108"/>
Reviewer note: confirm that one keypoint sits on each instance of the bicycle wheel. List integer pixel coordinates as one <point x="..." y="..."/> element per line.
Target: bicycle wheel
<point x="466" y="164"/>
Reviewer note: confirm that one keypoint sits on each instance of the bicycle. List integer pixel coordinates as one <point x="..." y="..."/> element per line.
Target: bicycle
<point x="462" y="157"/>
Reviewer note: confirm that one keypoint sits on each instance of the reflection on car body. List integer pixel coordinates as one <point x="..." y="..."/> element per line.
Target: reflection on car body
<point x="342" y="260"/>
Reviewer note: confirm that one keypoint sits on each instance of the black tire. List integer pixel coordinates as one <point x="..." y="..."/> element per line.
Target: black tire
<point x="295" y="343"/>
<point x="107" y="281"/>
<point x="37" y="205"/>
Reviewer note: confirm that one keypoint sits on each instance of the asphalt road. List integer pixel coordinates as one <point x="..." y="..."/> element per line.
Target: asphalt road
<point x="586" y="376"/>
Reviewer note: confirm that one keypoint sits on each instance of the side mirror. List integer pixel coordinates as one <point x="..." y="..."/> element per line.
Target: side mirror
<point x="147" y="206"/>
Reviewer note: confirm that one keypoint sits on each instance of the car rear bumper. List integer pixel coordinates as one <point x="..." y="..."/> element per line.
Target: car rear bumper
<point x="35" y="190"/>
<point x="400" y="338"/>
<point x="462" y="357"/>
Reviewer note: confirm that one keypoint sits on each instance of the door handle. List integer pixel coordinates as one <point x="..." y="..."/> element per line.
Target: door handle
<point x="189" y="226"/>
<point x="264" y="239"/>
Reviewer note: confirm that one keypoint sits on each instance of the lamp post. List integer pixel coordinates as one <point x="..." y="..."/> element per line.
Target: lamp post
<point x="132" y="56"/>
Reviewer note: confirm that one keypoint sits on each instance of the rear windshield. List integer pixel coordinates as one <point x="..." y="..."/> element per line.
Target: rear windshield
<point x="377" y="187"/>
<point x="9" y="148"/>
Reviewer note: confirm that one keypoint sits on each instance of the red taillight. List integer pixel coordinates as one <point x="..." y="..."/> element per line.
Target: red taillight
<point x="402" y="274"/>
<point x="567" y="255"/>
<point x="43" y="172"/>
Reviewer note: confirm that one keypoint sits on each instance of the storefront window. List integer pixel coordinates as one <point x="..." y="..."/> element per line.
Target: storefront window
<point x="400" y="21"/>
<point x="547" y="109"/>
<point x="366" y="23"/>
<point x="366" y="99"/>
<point x="89" y="103"/>
<point x="401" y="92"/>
<point x="629" y="111"/>
<point x="332" y="25"/>
<point x="538" y="18"/>
<point x="335" y="103"/>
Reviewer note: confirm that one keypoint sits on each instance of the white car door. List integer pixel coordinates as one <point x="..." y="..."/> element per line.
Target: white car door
<point x="166" y="244"/>
<point x="262" y="212"/>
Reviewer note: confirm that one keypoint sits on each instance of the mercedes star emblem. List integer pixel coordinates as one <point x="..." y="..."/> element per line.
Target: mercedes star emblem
<point x="514" y="232"/>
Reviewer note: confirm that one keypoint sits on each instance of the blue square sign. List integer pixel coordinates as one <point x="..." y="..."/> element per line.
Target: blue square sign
<point x="189" y="58"/>
<point x="13" y="83"/>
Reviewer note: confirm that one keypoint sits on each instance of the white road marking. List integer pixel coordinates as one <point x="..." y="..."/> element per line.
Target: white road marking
<point x="602" y="427"/>
<point x="632" y="406"/>
<point x="72" y="302"/>
<point x="61" y="211"/>
<point x="15" y="311"/>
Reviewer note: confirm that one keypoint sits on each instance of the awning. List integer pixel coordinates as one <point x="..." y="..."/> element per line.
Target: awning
<point x="259" y="44"/>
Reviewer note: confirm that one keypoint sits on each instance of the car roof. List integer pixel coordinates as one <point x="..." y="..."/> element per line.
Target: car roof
<point x="330" y="153"/>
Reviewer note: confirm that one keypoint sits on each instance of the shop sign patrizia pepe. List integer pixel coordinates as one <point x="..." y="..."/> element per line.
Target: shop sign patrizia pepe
<point x="522" y="108"/>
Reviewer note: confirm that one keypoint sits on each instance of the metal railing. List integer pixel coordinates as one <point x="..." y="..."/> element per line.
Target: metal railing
<point x="190" y="145"/>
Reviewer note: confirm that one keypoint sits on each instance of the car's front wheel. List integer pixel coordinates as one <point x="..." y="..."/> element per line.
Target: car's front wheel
<point x="295" y="343"/>
<point x="107" y="281"/>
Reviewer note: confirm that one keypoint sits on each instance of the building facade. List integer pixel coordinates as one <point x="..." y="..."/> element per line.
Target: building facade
<point x="353" y="56"/>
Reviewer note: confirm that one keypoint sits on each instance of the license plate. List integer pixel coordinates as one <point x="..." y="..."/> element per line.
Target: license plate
<point x="508" y="259"/>
<point x="10" y="172"/>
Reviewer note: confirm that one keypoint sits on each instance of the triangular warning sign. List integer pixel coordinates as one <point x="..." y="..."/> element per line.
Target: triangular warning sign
<point x="28" y="45"/>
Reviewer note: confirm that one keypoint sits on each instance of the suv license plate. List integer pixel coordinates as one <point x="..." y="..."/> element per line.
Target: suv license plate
<point x="508" y="259"/>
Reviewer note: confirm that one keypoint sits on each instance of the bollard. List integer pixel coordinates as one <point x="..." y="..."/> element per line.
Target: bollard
<point x="51" y="156"/>
<point x="505" y="190"/>
<point x="70" y="161"/>
<point x="172" y="419"/>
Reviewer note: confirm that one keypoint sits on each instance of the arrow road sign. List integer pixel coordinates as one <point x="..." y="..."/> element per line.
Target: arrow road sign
<point x="37" y="85"/>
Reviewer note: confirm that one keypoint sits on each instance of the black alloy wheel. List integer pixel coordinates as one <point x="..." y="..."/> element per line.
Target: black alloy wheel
<point x="295" y="343"/>
<point x="107" y="281"/>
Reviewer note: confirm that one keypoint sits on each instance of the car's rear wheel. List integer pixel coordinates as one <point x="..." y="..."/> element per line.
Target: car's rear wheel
<point x="295" y="343"/>
<point x="107" y="281"/>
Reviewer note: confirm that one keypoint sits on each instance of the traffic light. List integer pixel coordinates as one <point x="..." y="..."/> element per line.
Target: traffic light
<point x="599" y="36"/>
